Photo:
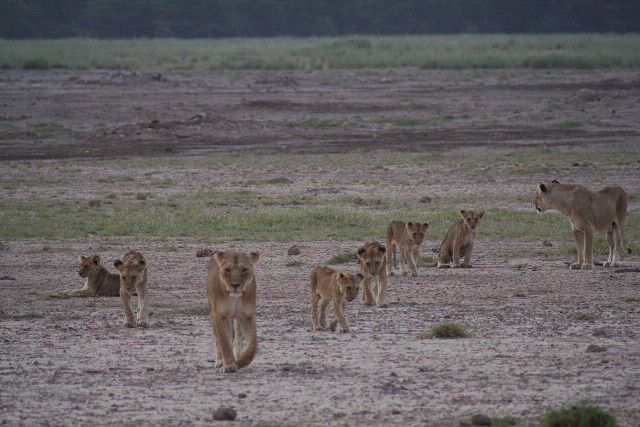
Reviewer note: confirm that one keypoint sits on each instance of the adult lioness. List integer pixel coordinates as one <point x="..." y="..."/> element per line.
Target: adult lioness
<point x="373" y="266"/>
<point x="408" y="237"/>
<point x="588" y="212"/>
<point x="231" y="292"/>
<point x="99" y="281"/>
<point x="458" y="242"/>
<point x="336" y="287"/>
<point x="133" y="280"/>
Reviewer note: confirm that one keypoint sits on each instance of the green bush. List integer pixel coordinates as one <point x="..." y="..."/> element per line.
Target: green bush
<point x="578" y="416"/>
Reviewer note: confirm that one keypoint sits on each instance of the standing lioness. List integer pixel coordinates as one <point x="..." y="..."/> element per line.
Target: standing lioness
<point x="133" y="280"/>
<point x="458" y="243"/>
<point x="336" y="287"/>
<point x="231" y="292"/>
<point x="588" y="212"/>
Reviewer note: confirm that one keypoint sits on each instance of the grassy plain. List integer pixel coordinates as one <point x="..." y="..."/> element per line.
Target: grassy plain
<point x="583" y="51"/>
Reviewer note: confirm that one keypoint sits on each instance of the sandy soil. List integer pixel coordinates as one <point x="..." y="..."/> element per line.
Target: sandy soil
<point x="543" y="336"/>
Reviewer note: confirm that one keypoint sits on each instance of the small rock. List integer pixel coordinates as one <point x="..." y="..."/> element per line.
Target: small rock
<point x="594" y="348"/>
<point x="204" y="253"/>
<point x="547" y="243"/>
<point x="425" y="199"/>
<point x="111" y="196"/>
<point x="242" y="395"/>
<point x="94" y="203"/>
<point x="141" y="196"/>
<point x="481" y="420"/>
<point x="293" y="250"/>
<point x="224" y="413"/>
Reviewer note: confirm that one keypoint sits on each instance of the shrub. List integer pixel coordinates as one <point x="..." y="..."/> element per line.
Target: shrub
<point x="578" y="416"/>
<point x="446" y="330"/>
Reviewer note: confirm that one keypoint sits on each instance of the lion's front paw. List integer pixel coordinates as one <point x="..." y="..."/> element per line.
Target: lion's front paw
<point x="414" y="274"/>
<point x="390" y="273"/>
<point x="575" y="266"/>
<point x="318" y="328"/>
<point x="454" y="265"/>
<point x="143" y="324"/>
<point x="129" y="323"/>
<point x="344" y="330"/>
<point x="228" y="369"/>
<point x="587" y="266"/>
<point x="367" y="302"/>
<point x="442" y="265"/>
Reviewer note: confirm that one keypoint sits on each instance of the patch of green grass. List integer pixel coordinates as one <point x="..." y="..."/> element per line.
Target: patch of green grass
<point x="578" y="416"/>
<point x="294" y="263"/>
<point x="33" y="292"/>
<point x="504" y="421"/>
<point x="446" y="330"/>
<point x="586" y="317"/>
<point x="565" y="124"/>
<point x="631" y="299"/>
<point x="28" y="315"/>
<point x="58" y="295"/>
<point x="343" y="258"/>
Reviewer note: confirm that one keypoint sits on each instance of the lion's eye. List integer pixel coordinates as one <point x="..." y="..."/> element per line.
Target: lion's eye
<point x="133" y="277"/>
<point x="227" y="272"/>
<point x="244" y="271"/>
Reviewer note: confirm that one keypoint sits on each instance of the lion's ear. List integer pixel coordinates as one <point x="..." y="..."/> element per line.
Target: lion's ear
<point x="80" y="258"/>
<point x="96" y="259"/>
<point x="555" y="181"/>
<point x="341" y="275"/>
<point x="462" y="212"/>
<point x="481" y="214"/>
<point x="219" y="257"/>
<point x="409" y="224"/>
<point x="254" y="257"/>
<point x="542" y="187"/>
<point x="117" y="264"/>
<point x="426" y="225"/>
<point x="142" y="264"/>
<point x="382" y="249"/>
<point x="361" y="252"/>
<point x="360" y="276"/>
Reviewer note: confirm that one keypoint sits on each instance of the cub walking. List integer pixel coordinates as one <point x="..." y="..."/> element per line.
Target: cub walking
<point x="336" y="287"/>
<point x="408" y="238"/>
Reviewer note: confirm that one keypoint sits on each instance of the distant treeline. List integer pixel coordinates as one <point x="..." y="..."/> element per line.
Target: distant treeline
<point x="302" y="18"/>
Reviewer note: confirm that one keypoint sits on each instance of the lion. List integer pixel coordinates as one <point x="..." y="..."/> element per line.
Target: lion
<point x="408" y="238"/>
<point x="373" y="266"/>
<point x="458" y="243"/>
<point x="336" y="287"/>
<point x="588" y="212"/>
<point x="133" y="280"/>
<point x="231" y="293"/>
<point x="99" y="281"/>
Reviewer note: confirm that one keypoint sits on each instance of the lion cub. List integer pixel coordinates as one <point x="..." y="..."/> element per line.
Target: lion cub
<point x="332" y="286"/>
<point x="459" y="241"/>
<point x="373" y="266"/>
<point x="133" y="280"/>
<point x="231" y="293"/>
<point x="408" y="237"/>
<point x="99" y="281"/>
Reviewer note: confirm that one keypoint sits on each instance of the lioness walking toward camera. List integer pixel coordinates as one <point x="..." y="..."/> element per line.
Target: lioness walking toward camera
<point x="588" y="212"/>
<point x="373" y="266"/>
<point x="99" y="281"/>
<point x="133" y="280"/>
<point x="408" y="238"/>
<point x="335" y="287"/>
<point x="458" y="243"/>
<point x="231" y="293"/>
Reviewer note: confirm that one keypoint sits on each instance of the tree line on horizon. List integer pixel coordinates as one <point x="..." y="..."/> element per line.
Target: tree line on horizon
<point x="296" y="18"/>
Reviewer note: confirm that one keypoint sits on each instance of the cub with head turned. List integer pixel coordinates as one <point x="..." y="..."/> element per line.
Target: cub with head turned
<point x="133" y="280"/>
<point x="408" y="238"/>
<point x="373" y="266"/>
<point x="231" y="293"/>
<point x="336" y="287"/>
<point x="99" y="281"/>
<point x="458" y="242"/>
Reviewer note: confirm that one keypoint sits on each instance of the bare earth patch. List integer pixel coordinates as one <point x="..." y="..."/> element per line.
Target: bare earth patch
<point x="542" y="336"/>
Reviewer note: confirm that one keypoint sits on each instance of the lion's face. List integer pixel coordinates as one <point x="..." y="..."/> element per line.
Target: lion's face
<point x="417" y="231"/>
<point x="539" y="202"/>
<point x="88" y="265"/>
<point x="371" y="256"/>
<point x="349" y="284"/>
<point x="132" y="270"/>
<point x="236" y="270"/>
<point x="471" y="219"/>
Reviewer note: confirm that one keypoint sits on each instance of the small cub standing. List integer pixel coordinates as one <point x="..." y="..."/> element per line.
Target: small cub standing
<point x="373" y="266"/>
<point x="133" y="280"/>
<point x="458" y="242"/>
<point x="99" y="281"/>
<point x="336" y="287"/>
<point x="408" y="237"/>
<point x="231" y="293"/>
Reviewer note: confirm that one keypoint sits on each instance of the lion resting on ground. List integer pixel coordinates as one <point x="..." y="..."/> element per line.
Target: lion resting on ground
<point x="133" y="280"/>
<point x="231" y="292"/>
<point x="588" y="212"/>
<point x="373" y="266"/>
<point x="408" y="238"/>
<point x="99" y="281"/>
<point x="458" y="243"/>
<point x="336" y="287"/>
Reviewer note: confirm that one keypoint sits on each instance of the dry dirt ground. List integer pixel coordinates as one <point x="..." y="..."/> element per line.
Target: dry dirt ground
<point x="543" y="336"/>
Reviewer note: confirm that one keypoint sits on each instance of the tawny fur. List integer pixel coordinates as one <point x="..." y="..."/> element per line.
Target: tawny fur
<point x="335" y="287"/>
<point x="133" y="280"/>
<point x="373" y="266"/>
<point x="408" y="238"/>
<point x="589" y="212"/>
<point x="231" y="293"/>
<point x="458" y="242"/>
<point x="99" y="281"/>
